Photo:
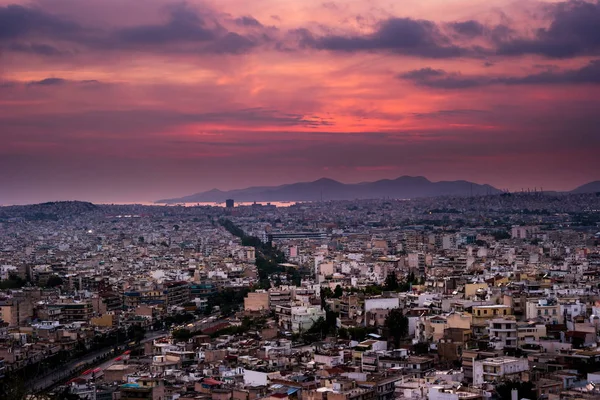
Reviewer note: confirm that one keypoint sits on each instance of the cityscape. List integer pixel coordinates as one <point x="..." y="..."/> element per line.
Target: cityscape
<point x="432" y="298"/>
<point x="299" y="200"/>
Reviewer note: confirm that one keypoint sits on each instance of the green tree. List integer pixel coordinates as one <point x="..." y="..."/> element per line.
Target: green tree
<point x="136" y="332"/>
<point x="182" y="334"/>
<point x="317" y="331"/>
<point x="525" y="389"/>
<point x="13" y="387"/>
<point x="54" y="281"/>
<point x="14" y="281"/>
<point x="338" y="292"/>
<point x="391" y="282"/>
<point x="501" y="235"/>
<point x="326" y="293"/>
<point x="397" y="325"/>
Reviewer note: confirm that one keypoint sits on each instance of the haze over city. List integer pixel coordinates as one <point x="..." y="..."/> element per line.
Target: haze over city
<point x="107" y="100"/>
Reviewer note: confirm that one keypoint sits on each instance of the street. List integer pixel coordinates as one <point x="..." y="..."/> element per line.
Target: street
<point x="71" y="367"/>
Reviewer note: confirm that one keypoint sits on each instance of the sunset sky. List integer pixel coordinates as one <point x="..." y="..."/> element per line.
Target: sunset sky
<point x="130" y="100"/>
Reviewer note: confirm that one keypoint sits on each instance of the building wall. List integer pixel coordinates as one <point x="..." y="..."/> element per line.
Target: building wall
<point x="382" y="303"/>
<point x="471" y="288"/>
<point x="256" y="301"/>
<point x="106" y="320"/>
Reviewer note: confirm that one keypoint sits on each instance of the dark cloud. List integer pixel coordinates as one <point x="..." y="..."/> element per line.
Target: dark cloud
<point x="61" y="82"/>
<point x="189" y="30"/>
<point x="437" y="78"/>
<point x="20" y="22"/>
<point x="399" y="35"/>
<point x="35" y="48"/>
<point x="232" y="43"/>
<point x="469" y="28"/>
<point x="183" y="25"/>
<point x="248" y="21"/>
<point x="185" y="29"/>
<point x="574" y="30"/>
<point x="49" y="82"/>
<point x="588" y="74"/>
<point x="444" y="114"/>
<point x="144" y="121"/>
<point x="424" y="73"/>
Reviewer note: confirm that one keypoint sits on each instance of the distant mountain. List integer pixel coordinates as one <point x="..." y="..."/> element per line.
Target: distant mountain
<point x="404" y="187"/>
<point x="592" y="187"/>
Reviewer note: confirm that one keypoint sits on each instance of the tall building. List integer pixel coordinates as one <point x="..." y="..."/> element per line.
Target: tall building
<point x="229" y="203"/>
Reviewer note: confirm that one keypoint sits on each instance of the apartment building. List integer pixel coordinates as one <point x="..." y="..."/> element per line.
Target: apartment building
<point x="498" y="369"/>
<point x="503" y="332"/>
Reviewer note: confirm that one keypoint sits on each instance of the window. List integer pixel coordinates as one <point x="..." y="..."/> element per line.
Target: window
<point x="554" y="311"/>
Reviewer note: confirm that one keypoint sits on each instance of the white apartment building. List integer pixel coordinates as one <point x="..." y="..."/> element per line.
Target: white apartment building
<point x="298" y="318"/>
<point x="503" y="332"/>
<point x="497" y="369"/>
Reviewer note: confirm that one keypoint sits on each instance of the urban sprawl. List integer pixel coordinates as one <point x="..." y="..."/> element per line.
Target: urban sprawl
<point x="471" y="298"/>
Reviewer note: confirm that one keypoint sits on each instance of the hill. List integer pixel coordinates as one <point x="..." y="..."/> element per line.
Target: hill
<point x="592" y="187"/>
<point x="404" y="187"/>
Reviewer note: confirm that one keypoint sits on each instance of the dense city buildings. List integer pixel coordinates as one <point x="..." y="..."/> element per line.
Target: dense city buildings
<point x="433" y="298"/>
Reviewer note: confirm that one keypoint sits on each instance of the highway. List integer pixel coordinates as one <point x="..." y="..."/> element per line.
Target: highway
<point x="49" y="380"/>
<point x="89" y="360"/>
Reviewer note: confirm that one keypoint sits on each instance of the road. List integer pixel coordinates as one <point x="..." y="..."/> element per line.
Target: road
<point x="69" y="369"/>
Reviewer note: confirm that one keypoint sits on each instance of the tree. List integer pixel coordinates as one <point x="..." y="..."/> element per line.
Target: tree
<point x="397" y="325"/>
<point x="54" y="281"/>
<point x="136" y="332"/>
<point x="326" y="293"/>
<point x="338" y="292"/>
<point x="14" y="281"/>
<point x="182" y="334"/>
<point x="391" y="282"/>
<point x="525" y="389"/>
<point x="317" y="331"/>
<point x="331" y="320"/>
<point x="500" y="235"/>
<point x="421" y="348"/>
<point x="13" y="387"/>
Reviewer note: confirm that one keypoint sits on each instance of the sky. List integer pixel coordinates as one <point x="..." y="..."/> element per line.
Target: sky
<point x="128" y="100"/>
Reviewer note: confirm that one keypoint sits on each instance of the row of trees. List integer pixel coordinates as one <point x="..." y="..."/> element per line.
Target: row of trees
<point x="393" y="285"/>
<point x="14" y="281"/>
<point x="268" y="257"/>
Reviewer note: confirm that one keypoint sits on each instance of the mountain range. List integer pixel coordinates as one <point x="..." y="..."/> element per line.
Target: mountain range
<point x="328" y="189"/>
<point x="404" y="187"/>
